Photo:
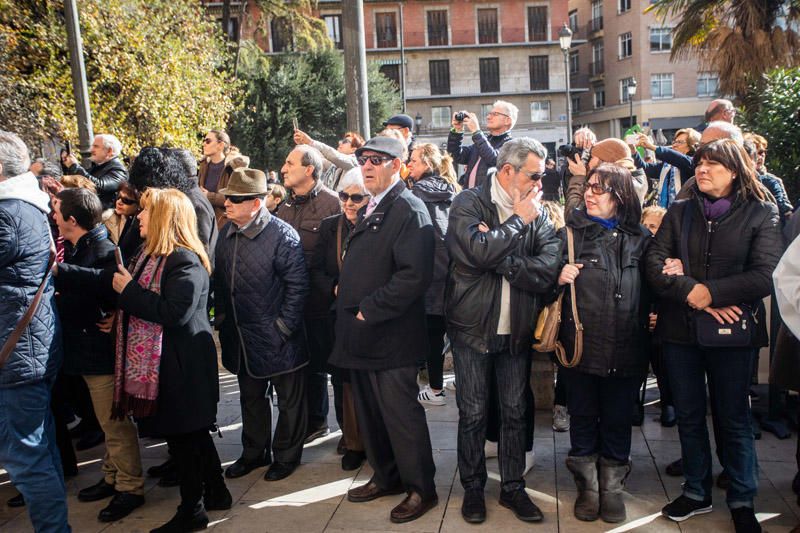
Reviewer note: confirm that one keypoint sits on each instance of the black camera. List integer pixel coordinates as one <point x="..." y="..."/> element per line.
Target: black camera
<point x="460" y="116"/>
<point x="569" y="151"/>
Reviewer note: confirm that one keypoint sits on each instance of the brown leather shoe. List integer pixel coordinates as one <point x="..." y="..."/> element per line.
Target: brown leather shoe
<point x="412" y="508"/>
<point x="371" y="491"/>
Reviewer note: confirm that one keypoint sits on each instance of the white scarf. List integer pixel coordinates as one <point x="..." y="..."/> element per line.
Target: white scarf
<point x="505" y="208"/>
<point x="25" y="187"/>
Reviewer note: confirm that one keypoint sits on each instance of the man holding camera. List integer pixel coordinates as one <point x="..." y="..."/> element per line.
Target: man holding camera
<point x="106" y="171"/>
<point x="482" y="154"/>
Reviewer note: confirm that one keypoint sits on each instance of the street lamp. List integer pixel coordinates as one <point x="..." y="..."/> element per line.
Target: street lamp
<point x="565" y="39"/>
<point x="631" y="94"/>
<point x="418" y="122"/>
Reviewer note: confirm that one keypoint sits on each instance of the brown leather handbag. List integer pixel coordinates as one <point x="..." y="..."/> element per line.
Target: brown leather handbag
<point x="19" y="329"/>
<point x="549" y="322"/>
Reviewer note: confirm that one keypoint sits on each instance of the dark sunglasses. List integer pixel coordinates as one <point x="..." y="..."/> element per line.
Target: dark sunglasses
<point x="241" y="199"/>
<point x="126" y="201"/>
<point x="374" y="159"/>
<point x="209" y="141"/>
<point x="356" y="198"/>
<point x="598" y="188"/>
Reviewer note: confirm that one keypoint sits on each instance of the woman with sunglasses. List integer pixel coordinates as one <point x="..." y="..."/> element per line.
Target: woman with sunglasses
<point x="433" y="180"/>
<point x="729" y="235"/>
<point x="126" y="207"/>
<point x="608" y="278"/>
<point x="668" y="176"/>
<point x="324" y="270"/>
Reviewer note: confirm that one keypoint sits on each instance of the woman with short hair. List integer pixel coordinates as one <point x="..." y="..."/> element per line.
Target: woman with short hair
<point x="667" y="176"/>
<point x="714" y="255"/>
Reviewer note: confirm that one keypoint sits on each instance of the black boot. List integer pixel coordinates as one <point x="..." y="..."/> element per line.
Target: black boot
<point x="185" y="521"/>
<point x="217" y="497"/>
<point x="612" y="475"/>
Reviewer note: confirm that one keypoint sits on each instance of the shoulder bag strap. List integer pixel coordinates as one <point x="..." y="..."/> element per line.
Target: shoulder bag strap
<point x="19" y="329"/>
<point x="339" y="227"/>
<point x="578" y="351"/>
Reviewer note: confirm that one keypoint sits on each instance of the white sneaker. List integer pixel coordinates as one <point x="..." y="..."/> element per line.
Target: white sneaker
<point x="560" y="418"/>
<point x="530" y="459"/>
<point x="427" y="396"/>
<point x="490" y="449"/>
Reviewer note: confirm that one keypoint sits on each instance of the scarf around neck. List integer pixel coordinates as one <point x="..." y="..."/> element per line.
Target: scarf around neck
<point x="138" y="350"/>
<point x="714" y="209"/>
<point x="608" y="223"/>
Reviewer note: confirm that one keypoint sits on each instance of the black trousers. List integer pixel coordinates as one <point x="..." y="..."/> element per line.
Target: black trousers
<point x="290" y="431"/>
<point x="319" y="337"/>
<point x="394" y="429"/>
<point x="493" y="413"/>
<point x="436" y="328"/>
<point x="198" y="465"/>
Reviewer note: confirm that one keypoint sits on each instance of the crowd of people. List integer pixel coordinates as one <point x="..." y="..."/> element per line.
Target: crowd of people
<point x="366" y="263"/>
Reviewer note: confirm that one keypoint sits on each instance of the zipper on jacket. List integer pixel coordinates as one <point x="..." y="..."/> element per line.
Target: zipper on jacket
<point x="708" y="249"/>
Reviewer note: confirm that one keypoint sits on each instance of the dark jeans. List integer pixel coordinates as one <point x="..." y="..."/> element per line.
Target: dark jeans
<point x="435" y="360"/>
<point x="474" y="372"/>
<point x="319" y="336"/>
<point x="657" y="362"/>
<point x="600" y="414"/>
<point x="394" y="429"/>
<point x="493" y="421"/>
<point x="290" y="431"/>
<point x="728" y="372"/>
<point x="560" y="396"/>
<point x="198" y="464"/>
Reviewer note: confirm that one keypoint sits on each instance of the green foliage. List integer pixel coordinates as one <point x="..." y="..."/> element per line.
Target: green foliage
<point x="775" y="114"/>
<point x="308" y="87"/>
<point x="154" y="70"/>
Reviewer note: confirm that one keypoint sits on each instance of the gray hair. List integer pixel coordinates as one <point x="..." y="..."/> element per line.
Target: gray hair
<point x="516" y="151"/>
<point x="511" y="110"/>
<point x="111" y="143"/>
<point x="14" y="156"/>
<point x="729" y="130"/>
<point x="311" y="157"/>
<point x="350" y="178"/>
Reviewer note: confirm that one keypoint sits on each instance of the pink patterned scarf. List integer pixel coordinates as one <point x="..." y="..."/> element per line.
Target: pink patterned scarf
<point x="138" y="351"/>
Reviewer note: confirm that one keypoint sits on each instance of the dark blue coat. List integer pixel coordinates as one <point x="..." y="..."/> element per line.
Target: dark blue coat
<point x="24" y="252"/>
<point x="261" y="285"/>
<point x="484" y="147"/>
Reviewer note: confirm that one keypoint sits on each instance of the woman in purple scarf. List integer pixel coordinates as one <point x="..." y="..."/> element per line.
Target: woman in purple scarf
<point x="166" y="361"/>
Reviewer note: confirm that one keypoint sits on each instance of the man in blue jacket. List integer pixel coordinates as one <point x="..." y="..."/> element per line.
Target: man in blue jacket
<point x="28" y="448"/>
<point x="261" y="284"/>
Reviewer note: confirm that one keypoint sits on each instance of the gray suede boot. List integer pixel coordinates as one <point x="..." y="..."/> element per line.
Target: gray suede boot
<point x="584" y="470"/>
<point x="612" y="475"/>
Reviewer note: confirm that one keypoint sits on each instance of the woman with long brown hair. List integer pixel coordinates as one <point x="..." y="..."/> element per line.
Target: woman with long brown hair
<point x="166" y="360"/>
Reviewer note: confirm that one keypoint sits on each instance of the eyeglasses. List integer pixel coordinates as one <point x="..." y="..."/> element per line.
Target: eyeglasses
<point x="674" y="143"/>
<point x="533" y="176"/>
<point x="241" y="199"/>
<point x="493" y="113"/>
<point x="209" y="141"/>
<point x="598" y="188"/>
<point x="126" y="201"/>
<point x="344" y="141"/>
<point x="356" y="198"/>
<point x="374" y="159"/>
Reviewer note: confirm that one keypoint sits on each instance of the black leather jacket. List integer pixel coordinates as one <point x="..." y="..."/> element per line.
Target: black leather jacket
<point x="612" y="297"/>
<point x="527" y="255"/>
<point x="107" y="177"/>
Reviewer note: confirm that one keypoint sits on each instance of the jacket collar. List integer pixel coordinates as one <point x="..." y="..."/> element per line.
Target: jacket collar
<point x="379" y="213"/>
<point x="254" y="227"/>
<point x="25" y="187"/>
<point x="299" y="200"/>
<point x="95" y="234"/>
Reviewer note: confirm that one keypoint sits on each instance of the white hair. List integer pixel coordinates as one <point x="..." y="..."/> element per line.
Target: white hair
<point x="516" y="151"/>
<point x="111" y="143"/>
<point x="14" y="156"/>
<point x="731" y="131"/>
<point x="350" y="178"/>
<point x="511" y="110"/>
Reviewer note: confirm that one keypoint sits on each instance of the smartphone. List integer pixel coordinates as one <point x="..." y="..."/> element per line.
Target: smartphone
<point x="68" y="147"/>
<point x="118" y="257"/>
<point x="294" y="123"/>
<point x="631" y="139"/>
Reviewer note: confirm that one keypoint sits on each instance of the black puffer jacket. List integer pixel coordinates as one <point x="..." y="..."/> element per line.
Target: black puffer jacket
<point x="438" y="195"/>
<point x="734" y="257"/>
<point x="527" y="255"/>
<point x="107" y="177"/>
<point x="613" y="302"/>
<point x="261" y="284"/>
<point x="81" y="304"/>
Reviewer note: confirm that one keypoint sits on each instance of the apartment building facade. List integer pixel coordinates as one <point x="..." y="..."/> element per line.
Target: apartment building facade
<point x="459" y="55"/>
<point x="625" y="43"/>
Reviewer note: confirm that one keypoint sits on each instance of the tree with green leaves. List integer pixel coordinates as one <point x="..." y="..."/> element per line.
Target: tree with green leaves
<point x="741" y="40"/>
<point x="308" y="87"/>
<point x="155" y="70"/>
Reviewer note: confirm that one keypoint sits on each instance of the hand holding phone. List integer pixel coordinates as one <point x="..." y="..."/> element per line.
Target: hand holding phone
<point x="118" y="257"/>
<point x="294" y="124"/>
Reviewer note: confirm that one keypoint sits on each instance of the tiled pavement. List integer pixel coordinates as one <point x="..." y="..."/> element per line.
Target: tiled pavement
<point x="313" y="498"/>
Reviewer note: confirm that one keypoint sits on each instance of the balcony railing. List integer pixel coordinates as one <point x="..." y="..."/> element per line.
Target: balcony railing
<point x="596" y="68"/>
<point x="596" y="24"/>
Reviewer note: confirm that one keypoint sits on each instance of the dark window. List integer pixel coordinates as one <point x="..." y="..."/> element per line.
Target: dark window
<point x="281" y="36"/>
<point x="386" y="30"/>
<point x="490" y="74"/>
<point x="540" y="73"/>
<point x="573" y="21"/>
<point x="334" y="26"/>
<point x="437" y="28"/>
<point x="537" y="23"/>
<point x="574" y="65"/>
<point x="487" y="26"/>
<point x="624" y="5"/>
<point x="439" y="71"/>
<point x="576" y="104"/>
<point x="392" y="72"/>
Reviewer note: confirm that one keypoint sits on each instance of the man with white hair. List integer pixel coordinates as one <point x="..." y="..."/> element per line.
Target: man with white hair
<point x="481" y="155"/>
<point x="106" y="171"/>
<point x="28" y="368"/>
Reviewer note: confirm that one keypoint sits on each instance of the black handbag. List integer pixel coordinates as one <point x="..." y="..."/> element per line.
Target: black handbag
<point x="708" y="332"/>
